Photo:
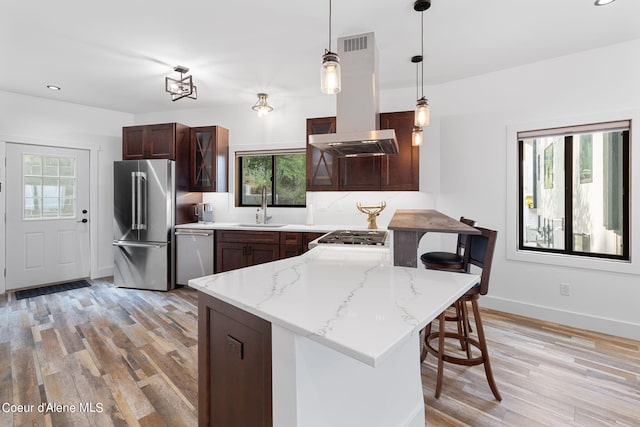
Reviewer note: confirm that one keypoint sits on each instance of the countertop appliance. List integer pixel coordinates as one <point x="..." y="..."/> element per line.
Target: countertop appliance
<point x="355" y="237"/>
<point x="194" y="254"/>
<point x="144" y="216"/>
<point x="204" y="213"/>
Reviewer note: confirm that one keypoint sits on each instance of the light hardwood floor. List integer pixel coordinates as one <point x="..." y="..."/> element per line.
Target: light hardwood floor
<point x="135" y="354"/>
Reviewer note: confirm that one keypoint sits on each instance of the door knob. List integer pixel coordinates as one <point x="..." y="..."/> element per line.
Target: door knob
<point x="84" y="220"/>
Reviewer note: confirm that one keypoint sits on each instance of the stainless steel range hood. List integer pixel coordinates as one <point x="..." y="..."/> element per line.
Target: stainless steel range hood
<point x="358" y="107"/>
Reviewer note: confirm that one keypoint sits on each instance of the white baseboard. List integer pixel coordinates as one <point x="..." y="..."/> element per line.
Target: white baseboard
<point x="102" y="272"/>
<point x="577" y="320"/>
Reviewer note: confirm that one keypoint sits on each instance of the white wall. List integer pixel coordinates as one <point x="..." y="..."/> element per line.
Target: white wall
<point x="31" y="120"/>
<point x="480" y="116"/>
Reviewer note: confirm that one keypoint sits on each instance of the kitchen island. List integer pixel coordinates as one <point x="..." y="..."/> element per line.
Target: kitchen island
<point x="339" y="328"/>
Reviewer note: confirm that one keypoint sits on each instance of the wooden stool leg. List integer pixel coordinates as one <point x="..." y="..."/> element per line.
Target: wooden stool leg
<point x="423" y="348"/>
<point x="484" y="350"/>
<point x="466" y="326"/>
<point x="440" y="373"/>
<point x="461" y="323"/>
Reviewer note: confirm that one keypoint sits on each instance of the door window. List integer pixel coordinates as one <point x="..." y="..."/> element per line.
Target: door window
<point x="49" y="187"/>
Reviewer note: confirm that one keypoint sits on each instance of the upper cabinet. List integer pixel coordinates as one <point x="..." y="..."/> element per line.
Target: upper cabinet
<point x="322" y="168"/>
<point x="209" y="158"/>
<point x="201" y="153"/>
<point x="402" y="171"/>
<point x="380" y="173"/>
<point x="163" y="141"/>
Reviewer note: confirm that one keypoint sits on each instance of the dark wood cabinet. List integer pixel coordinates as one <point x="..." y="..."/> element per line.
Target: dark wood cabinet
<point x="161" y="141"/>
<point x="360" y="173"/>
<point x="209" y="157"/>
<point x="381" y="173"/>
<point x="165" y="141"/>
<point x="322" y="168"/>
<point x="402" y="171"/>
<point x="234" y="366"/>
<point x="291" y="244"/>
<point x="294" y="243"/>
<point x="242" y="248"/>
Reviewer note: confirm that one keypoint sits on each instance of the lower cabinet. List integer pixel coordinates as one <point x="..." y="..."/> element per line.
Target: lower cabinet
<point x="242" y="248"/>
<point x="234" y="366"/>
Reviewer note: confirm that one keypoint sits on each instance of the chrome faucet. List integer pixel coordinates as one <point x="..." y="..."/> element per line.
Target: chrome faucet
<point x="263" y="205"/>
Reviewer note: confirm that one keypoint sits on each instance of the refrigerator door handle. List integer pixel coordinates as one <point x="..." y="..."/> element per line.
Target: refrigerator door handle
<point x="138" y="201"/>
<point x="139" y="245"/>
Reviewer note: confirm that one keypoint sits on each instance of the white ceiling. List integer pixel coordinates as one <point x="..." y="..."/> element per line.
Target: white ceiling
<point x="115" y="54"/>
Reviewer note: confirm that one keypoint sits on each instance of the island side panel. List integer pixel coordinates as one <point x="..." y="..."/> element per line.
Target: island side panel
<point x="234" y="363"/>
<point x="405" y="247"/>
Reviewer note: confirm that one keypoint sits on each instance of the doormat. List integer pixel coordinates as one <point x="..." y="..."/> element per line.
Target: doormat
<point x="51" y="289"/>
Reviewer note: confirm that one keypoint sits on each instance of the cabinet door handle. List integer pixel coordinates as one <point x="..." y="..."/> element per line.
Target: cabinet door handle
<point x="235" y="346"/>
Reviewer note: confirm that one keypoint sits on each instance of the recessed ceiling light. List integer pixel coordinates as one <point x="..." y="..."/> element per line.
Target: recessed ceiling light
<point x="52" y="87"/>
<point x="603" y="2"/>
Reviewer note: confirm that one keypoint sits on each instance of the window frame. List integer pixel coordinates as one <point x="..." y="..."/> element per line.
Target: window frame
<point x="569" y="132"/>
<point x="273" y="153"/>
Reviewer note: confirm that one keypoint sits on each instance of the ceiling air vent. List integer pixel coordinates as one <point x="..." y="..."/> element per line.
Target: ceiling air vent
<point x="355" y="43"/>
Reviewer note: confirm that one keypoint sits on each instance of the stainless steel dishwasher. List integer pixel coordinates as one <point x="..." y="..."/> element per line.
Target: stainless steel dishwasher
<point x="194" y="254"/>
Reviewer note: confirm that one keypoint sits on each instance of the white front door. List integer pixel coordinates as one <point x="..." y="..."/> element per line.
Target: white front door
<point x="47" y="225"/>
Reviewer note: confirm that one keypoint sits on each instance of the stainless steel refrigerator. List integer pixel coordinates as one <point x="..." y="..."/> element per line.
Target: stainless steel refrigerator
<point x="143" y="224"/>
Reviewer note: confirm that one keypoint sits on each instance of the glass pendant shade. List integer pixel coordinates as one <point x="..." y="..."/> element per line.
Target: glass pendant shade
<point x="422" y="113"/>
<point x="330" y="73"/>
<point x="416" y="136"/>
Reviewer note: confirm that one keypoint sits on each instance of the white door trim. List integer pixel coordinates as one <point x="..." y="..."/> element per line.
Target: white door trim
<point x="94" y="153"/>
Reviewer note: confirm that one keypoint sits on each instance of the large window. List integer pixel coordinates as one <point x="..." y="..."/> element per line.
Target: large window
<point x="574" y="196"/>
<point x="282" y="174"/>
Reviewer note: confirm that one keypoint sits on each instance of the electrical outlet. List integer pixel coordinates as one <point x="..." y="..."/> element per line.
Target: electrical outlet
<point x="565" y="289"/>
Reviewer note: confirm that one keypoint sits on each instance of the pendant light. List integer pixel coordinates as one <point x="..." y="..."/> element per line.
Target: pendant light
<point x="416" y="136"/>
<point x="422" y="104"/>
<point x="330" y="71"/>
<point x="416" y="133"/>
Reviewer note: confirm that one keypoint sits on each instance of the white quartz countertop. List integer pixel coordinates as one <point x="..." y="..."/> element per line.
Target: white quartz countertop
<point x="350" y="299"/>
<point x="269" y="227"/>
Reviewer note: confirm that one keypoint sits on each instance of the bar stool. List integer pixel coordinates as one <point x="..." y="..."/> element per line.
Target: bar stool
<point x="448" y="260"/>
<point x="478" y="252"/>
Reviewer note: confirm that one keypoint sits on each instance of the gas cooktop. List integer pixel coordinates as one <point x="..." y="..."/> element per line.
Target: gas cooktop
<point x="359" y="237"/>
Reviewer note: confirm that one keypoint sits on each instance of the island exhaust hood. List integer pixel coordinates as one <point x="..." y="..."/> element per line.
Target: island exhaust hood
<point x="358" y="107"/>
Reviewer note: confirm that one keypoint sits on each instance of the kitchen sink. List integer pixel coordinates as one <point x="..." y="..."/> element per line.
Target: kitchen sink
<point x="262" y="225"/>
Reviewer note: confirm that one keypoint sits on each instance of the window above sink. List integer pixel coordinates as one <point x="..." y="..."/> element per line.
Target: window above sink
<point x="282" y="172"/>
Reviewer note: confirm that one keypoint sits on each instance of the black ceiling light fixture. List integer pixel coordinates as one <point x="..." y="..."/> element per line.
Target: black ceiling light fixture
<point x="422" y="104"/>
<point x="181" y="88"/>
<point x="603" y="2"/>
<point x="330" y="71"/>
